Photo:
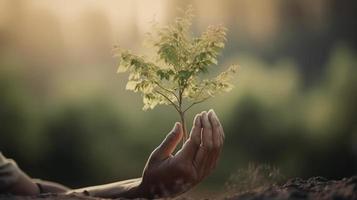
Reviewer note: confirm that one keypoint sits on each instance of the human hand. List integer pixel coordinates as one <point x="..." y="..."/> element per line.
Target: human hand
<point x="167" y="175"/>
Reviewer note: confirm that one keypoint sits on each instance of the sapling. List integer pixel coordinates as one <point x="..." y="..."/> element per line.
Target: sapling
<point x="171" y="77"/>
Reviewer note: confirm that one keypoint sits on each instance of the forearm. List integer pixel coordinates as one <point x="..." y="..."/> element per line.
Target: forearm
<point x="125" y="189"/>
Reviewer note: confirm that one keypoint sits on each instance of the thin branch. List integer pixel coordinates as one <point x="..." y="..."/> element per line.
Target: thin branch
<point x="173" y="104"/>
<point x="181" y="91"/>
<point x="167" y="90"/>
<point x="180" y="95"/>
<point x="197" y="102"/>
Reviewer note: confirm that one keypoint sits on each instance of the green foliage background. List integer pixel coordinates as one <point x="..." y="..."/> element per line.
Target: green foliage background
<point x="69" y="119"/>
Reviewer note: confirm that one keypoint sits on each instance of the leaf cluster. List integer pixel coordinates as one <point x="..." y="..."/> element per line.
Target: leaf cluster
<point x="172" y="76"/>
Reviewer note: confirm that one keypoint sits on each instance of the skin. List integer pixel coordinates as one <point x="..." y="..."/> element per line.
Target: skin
<point x="165" y="174"/>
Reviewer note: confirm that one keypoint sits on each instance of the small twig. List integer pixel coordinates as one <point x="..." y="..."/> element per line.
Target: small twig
<point x="197" y="102"/>
<point x="167" y="90"/>
<point x="194" y="103"/>
<point x="173" y="104"/>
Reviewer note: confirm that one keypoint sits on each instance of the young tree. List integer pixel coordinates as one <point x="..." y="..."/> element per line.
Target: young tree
<point x="172" y="76"/>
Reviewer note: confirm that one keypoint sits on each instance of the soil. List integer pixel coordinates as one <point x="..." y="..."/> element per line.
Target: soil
<point x="294" y="189"/>
<point x="298" y="189"/>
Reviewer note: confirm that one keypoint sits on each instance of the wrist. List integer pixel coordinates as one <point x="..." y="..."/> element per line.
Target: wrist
<point x="152" y="191"/>
<point x="136" y="189"/>
<point x="133" y="189"/>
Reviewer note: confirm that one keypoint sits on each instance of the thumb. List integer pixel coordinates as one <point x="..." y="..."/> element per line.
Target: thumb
<point x="170" y="142"/>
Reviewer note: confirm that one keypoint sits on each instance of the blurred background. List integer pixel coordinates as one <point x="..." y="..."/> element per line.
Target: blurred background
<point x="65" y="115"/>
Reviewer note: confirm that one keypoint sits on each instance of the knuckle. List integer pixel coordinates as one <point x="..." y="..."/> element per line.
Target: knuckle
<point x="207" y="130"/>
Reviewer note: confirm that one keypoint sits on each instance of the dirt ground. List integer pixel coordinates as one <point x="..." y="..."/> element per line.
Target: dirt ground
<point x="294" y="189"/>
<point x="313" y="188"/>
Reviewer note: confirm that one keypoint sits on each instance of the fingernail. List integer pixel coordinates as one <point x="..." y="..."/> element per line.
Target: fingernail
<point x="197" y="120"/>
<point x="204" y="115"/>
<point x="205" y="119"/>
<point x="210" y="112"/>
<point x="214" y="113"/>
<point x="176" y="127"/>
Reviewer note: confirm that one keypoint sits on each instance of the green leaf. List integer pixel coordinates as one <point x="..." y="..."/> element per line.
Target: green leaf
<point x="131" y="85"/>
<point x="121" y="69"/>
<point x="184" y="74"/>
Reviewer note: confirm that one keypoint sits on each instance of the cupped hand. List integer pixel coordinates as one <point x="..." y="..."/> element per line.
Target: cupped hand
<point x="168" y="175"/>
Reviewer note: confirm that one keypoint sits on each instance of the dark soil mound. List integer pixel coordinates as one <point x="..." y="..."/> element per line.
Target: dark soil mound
<point x="313" y="188"/>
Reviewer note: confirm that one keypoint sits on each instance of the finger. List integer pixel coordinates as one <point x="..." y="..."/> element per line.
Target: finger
<point x="220" y="126"/>
<point x="216" y="134"/>
<point x="214" y="152"/>
<point x="201" y="161"/>
<point x="169" y="144"/>
<point x="202" y="157"/>
<point x="206" y="136"/>
<point x="215" y="144"/>
<point x="195" y="134"/>
<point x="217" y="139"/>
<point x="222" y="138"/>
<point x="190" y="147"/>
<point x="221" y="130"/>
